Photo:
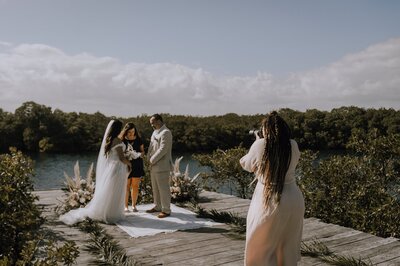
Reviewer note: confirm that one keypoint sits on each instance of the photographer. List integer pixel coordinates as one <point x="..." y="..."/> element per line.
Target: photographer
<point x="275" y="217"/>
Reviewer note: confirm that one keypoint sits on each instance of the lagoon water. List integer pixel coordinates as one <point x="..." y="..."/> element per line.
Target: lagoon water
<point x="50" y="168"/>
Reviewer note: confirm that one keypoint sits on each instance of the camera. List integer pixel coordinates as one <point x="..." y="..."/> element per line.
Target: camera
<point x="257" y="132"/>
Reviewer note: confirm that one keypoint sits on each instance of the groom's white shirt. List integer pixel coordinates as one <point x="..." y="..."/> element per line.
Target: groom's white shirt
<point x="159" y="152"/>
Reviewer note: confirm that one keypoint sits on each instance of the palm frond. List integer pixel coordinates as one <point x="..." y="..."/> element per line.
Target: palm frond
<point x="319" y="250"/>
<point x="103" y="246"/>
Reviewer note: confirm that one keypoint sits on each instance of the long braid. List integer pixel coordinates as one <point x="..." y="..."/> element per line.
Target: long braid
<point x="276" y="157"/>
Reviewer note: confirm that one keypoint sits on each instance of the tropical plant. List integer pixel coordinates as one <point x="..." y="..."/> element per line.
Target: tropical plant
<point x="17" y="201"/>
<point x="22" y="241"/>
<point x="356" y="190"/>
<point x="47" y="252"/>
<point x="226" y="170"/>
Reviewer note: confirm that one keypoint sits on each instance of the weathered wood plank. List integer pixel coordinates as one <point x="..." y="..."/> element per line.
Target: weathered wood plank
<point x="210" y="246"/>
<point x="387" y="256"/>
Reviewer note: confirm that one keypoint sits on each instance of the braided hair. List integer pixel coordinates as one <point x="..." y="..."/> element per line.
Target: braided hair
<point x="276" y="157"/>
<point x="114" y="132"/>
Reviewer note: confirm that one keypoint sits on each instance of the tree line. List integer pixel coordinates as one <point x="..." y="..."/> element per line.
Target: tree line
<point x="34" y="127"/>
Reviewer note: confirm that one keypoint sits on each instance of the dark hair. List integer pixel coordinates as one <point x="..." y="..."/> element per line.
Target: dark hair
<point x="115" y="130"/>
<point x="128" y="126"/>
<point x="276" y="158"/>
<point x="158" y="117"/>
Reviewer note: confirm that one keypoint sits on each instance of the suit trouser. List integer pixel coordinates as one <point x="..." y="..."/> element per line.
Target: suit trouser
<point x="161" y="191"/>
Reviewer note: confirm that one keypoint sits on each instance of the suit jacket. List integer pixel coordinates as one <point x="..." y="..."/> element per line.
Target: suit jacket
<point x="159" y="152"/>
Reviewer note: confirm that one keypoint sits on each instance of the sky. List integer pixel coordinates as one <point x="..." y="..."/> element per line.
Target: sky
<point x="209" y="57"/>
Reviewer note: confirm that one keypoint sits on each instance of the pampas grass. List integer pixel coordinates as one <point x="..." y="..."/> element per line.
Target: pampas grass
<point x="79" y="190"/>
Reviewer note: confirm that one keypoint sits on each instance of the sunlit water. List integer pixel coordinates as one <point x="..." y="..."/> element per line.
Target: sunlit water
<point x="50" y="168"/>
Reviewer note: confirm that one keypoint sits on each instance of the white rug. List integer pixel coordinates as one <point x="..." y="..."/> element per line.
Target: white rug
<point x="140" y="223"/>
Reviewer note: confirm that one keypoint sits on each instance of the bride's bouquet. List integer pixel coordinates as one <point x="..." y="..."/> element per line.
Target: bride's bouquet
<point x="130" y="153"/>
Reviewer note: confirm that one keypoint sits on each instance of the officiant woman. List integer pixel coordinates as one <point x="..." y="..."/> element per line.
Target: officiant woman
<point x="132" y="137"/>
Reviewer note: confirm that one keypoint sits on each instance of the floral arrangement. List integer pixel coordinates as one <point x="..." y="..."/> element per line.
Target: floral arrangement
<point x="183" y="187"/>
<point x="79" y="191"/>
<point x="130" y="153"/>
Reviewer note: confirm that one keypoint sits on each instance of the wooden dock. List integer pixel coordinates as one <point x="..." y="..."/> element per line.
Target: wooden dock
<point x="212" y="246"/>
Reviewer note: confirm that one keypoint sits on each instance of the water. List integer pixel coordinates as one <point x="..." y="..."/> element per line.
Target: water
<point x="50" y="168"/>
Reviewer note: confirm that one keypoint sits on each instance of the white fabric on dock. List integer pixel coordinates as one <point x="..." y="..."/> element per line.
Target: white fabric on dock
<point x="138" y="224"/>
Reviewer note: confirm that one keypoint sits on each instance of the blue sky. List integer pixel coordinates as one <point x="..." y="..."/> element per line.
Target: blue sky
<point x="199" y="57"/>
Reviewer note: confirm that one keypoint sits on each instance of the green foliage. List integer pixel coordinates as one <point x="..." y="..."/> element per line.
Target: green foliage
<point x="35" y="127"/>
<point x="16" y="202"/>
<point x="356" y="190"/>
<point x="225" y="168"/>
<point x="47" y="252"/>
<point x="21" y="241"/>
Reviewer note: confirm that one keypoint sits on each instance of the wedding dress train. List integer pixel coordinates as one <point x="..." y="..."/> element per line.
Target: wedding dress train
<point x="107" y="204"/>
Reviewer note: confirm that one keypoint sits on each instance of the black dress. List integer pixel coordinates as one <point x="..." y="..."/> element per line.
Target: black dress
<point x="137" y="164"/>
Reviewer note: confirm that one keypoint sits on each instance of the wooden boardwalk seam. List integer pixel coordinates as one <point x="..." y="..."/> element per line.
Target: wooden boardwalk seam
<point x="211" y="246"/>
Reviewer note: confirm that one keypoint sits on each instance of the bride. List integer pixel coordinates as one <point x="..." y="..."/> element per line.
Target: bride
<point x="112" y="172"/>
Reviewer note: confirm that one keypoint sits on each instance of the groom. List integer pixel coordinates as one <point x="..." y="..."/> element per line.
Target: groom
<point x="159" y="156"/>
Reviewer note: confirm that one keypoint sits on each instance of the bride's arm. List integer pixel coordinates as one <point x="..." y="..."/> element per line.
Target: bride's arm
<point x="120" y="152"/>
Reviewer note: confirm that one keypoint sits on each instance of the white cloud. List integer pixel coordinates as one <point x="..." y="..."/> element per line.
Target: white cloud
<point x="82" y="82"/>
<point x="5" y="44"/>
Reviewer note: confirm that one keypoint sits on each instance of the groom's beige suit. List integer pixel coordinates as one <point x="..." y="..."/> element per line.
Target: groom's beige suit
<point x="160" y="159"/>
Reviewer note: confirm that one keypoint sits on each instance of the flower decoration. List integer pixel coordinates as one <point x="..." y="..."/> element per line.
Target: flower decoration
<point x="79" y="191"/>
<point x="182" y="186"/>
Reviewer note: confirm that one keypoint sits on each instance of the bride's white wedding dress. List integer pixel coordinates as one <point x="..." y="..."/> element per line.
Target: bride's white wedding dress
<point x="107" y="204"/>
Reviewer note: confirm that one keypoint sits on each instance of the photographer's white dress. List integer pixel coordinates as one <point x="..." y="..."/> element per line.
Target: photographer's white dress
<point x="107" y="204"/>
<point x="274" y="233"/>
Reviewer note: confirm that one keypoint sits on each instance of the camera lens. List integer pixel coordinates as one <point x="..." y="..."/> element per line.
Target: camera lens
<point x="253" y="132"/>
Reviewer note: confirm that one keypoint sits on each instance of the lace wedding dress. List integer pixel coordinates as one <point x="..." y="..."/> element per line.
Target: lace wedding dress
<point x="107" y="204"/>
